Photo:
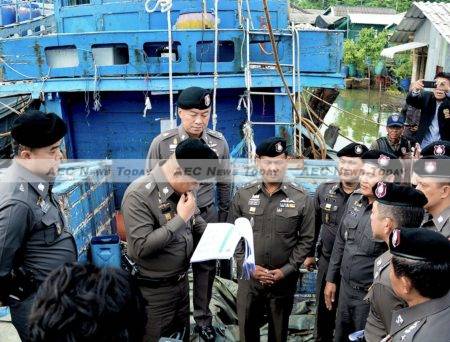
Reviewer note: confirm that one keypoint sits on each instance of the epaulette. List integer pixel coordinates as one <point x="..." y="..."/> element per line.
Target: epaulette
<point x="215" y="134"/>
<point x="169" y="134"/>
<point x="297" y="186"/>
<point x="248" y="185"/>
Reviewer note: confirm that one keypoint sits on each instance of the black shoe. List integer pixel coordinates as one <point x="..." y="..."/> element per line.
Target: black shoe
<point x="207" y="333"/>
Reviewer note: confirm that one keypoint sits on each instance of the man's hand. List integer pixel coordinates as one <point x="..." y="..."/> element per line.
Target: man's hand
<point x="310" y="263"/>
<point x="263" y="275"/>
<point x="330" y="294"/>
<point x="186" y="206"/>
<point x="417" y="86"/>
<point x="277" y="275"/>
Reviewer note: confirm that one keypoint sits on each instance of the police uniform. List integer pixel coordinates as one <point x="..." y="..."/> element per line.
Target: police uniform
<point x="382" y="298"/>
<point x="435" y="164"/>
<point x="33" y="235"/>
<point x="161" y="244"/>
<point x="162" y="147"/>
<point x="353" y="256"/>
<point x="329" y="202"/>
<point x="400" y="148"/>
<point x="283" y="231"/>
<point x="429" y="320"/>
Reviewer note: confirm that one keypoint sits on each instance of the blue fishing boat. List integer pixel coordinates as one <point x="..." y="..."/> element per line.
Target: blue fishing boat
<point x="113" y="69"/>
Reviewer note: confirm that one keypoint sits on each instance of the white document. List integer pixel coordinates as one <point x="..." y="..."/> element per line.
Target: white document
<point x="219" y="241"/>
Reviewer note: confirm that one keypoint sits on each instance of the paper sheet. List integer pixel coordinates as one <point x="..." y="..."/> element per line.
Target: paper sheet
<point x="219" y="241"/>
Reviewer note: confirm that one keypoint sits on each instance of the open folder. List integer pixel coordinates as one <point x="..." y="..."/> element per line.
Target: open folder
<point x="219" y="241"/>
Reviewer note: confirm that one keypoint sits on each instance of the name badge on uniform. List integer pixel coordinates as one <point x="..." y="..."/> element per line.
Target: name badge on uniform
<point x="287" y="203"/>
<point x="254" y="202"/>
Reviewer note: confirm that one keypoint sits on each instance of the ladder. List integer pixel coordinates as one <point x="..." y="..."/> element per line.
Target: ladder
<point x="262" y="35"/>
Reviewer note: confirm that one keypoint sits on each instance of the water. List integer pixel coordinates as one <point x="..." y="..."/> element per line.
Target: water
<point x="375" y="106"/>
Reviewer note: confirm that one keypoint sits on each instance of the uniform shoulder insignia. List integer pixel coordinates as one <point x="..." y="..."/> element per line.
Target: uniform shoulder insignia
<point x="248" y="185"/>
<point x="215" y="134"/>
<point x="168" y="134"/>
<point x="296" y="186"/>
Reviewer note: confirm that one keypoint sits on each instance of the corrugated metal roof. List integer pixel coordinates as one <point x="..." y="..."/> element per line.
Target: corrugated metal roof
<point x="438" y="13"/>
<point x="342" y="11"/>
<point x="375" y="19"/>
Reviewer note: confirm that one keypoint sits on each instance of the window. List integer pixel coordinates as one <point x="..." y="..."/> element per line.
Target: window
<point x="61" y="56"/>
<point x="110" y="54"/>
<point x="161" y="50"/>
<point x="205" y="51"/>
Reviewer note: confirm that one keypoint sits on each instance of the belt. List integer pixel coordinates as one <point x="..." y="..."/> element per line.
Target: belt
<point x="159" y="282"/>
<point x="205" y="208"/>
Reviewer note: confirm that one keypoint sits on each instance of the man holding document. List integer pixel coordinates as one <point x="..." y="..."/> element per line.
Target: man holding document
<point x="282" y="217"/>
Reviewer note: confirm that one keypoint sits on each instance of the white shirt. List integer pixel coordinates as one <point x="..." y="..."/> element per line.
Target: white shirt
<point x="433" y="131"/>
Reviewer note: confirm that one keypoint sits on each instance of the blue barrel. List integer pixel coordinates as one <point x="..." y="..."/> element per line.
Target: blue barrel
<point x="105" y="250"/>
<point x="352" y="70"/>
<point x="8" y="15"/>
<point x="35" y="12"/>
<point x="405" y="83"/>
<point x="24" y="13"/>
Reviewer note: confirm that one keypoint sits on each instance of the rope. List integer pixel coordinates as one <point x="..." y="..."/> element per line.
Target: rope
<point x="216" y="56"/>
<point x="280" y="71"/>
<point x="166" y="6"/>
<point x="311" y="111"/>
<point x="4" y="135"/>
<point x="15" y="111"/>
<point x="343" y="110"/>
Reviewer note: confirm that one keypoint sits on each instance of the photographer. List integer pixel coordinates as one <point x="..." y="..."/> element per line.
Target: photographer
<point x="434" y="121"/>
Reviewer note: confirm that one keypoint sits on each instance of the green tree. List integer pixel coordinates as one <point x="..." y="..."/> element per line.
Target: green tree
<point x="398" y="5"/>
<point x="370" y="44"/>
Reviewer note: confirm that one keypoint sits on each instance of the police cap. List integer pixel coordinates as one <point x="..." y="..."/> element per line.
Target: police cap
<point x="36" y="129"/>
<point x="271" y="147"/>
<point x="437" y="148"/>
<point x="194" y="97"/>
<point x="395" y="120"/>
<point x="433" y="166"/>
<point x="354" y="150"/>
<point x="399" y="195"/>
<point x="420" y="244"/>
<point x="196" y="158"/>
<point x="382" y="160"/>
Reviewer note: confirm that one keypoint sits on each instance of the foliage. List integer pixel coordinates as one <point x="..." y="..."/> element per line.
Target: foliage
<point x="398" y="5"/>
<point x="402" y="66"/>
<point x="365" y="52"/>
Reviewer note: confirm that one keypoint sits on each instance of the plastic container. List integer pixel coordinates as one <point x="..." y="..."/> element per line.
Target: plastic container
<point x="8" y="15"/>
<point x="344" y="70"/>
<point x="105" y="251"/>
<point x="405" y="83"/>
<point x="352" y="70"/>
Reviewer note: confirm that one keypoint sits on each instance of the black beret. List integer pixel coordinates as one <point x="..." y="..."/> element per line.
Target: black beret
<point x="433" y="166"/>
<point x="437" y="148"/>
<point x="420" y="244"/>
<point x="352" y="150"/>
<point x="196" y="158"/>
<point x="36" y="129"/>
<point x="399" y="195"/>
<point x="271" y="147"/>
<point x="194" y="97"/>
<point x="382" y="160"/>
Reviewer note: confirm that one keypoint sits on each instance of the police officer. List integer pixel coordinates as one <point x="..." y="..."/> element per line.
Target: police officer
<point x="33" y="236"/>
<point x="433" y="180"/>
<point x="194" y="109"/>
<point x="329" y="203"/>
<point x="419" y="275"/>
<point x="355" y="250"/>
<point x="394" y="142"/>
<point x="282" y="217"/>
<point x="161" y="221"/>
<point x="395" y="206"/>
